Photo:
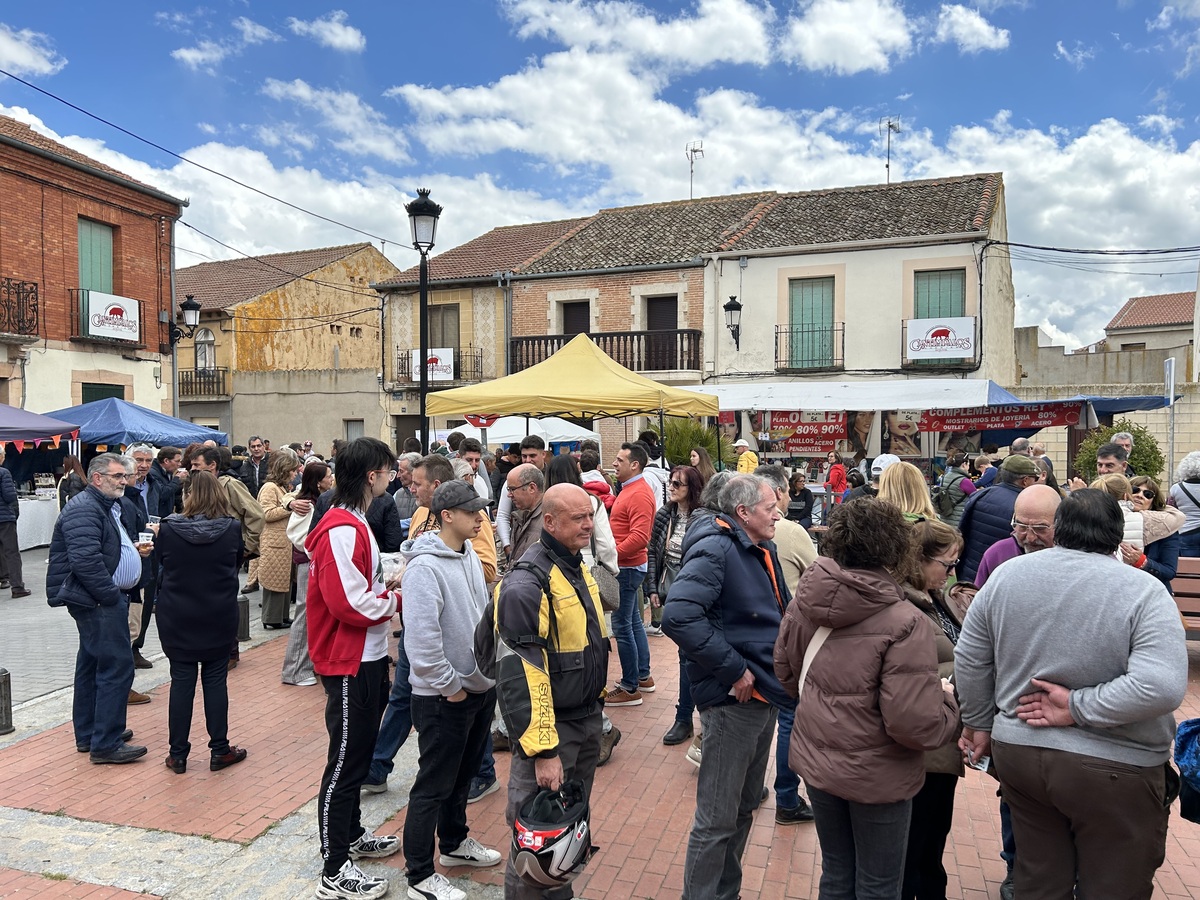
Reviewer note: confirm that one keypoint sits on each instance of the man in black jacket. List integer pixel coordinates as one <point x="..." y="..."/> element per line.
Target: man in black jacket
<point x="9" y="546"/>
<point x="93" y="565"/>
<point x="169" y="485"/>
<point x="987" y="517"/>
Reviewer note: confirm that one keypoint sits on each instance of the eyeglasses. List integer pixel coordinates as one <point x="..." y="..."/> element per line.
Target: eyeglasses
<point x="1039" y="530"/>
<point x="1148" y="493"/>
<point x="391" y="473"/>
<point x="120" y="476"/>
<point x="678" y="484"/>
<point x="941" y="562"/>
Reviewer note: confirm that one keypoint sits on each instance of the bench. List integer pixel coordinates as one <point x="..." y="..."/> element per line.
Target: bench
<point x="1186" y="589"/>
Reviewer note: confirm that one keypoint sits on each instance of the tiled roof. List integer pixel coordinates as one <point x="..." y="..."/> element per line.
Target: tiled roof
<point x="12" y="130"/>
<point x="1158" y="309"/>
<point x="874" y="212"/>
<point x="224" y="283"/>
<point x="502" y="249"/>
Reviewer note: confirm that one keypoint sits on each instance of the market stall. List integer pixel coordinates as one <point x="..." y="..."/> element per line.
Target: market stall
<point x="32" y="436"/>
<point x="114" y="423"/>
<point x="511" y="429"/>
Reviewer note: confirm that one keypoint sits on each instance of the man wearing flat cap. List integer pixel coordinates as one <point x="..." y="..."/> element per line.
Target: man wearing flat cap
<point x="987" y="517"/>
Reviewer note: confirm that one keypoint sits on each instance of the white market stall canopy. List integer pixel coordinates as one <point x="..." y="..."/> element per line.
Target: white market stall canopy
<point x="551" y="429"/>
<point x="923" y="393"/>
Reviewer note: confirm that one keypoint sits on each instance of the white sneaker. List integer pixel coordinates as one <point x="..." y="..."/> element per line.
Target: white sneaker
<point x="370" y="846"/>
<point x="470" y="853"/>
<point x="435" y="887"/>
<point x="351" y="883"/>
<point x="695" y="751"/>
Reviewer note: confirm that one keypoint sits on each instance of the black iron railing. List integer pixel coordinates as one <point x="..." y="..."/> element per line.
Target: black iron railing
<point x="18" y="306"/>
<point x="468" y="366"/>
<point x="641" y="351"/>
<point x="203" y="383"/>
<point x="807" y="347"/>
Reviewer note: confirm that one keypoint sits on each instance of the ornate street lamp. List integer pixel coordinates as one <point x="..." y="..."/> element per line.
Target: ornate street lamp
<point x="733" y="320"/>
<point x="423" y="216"/>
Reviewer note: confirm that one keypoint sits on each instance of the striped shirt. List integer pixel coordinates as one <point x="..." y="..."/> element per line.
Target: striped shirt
<point x="129" y="569"/>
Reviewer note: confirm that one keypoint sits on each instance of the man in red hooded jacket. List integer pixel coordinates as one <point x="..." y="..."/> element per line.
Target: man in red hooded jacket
<point x="349" y="611"/>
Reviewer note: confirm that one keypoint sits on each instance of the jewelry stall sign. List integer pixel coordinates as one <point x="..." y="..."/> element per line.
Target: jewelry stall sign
<point x="1002" y="418"/>
<point x="806" y="433"/>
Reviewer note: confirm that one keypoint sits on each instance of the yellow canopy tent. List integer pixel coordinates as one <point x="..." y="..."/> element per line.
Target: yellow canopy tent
<point x="581" y="381"/>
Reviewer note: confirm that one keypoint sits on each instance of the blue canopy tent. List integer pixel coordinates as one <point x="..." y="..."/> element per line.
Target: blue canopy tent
<point x="116" y="423"/>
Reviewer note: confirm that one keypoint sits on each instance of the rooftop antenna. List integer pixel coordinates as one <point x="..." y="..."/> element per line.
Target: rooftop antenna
<point x="694" y="151"/>
<point x="890" y="124"/>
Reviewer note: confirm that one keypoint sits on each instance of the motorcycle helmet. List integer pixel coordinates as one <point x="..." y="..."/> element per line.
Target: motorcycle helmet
<point x="551" y="838"/>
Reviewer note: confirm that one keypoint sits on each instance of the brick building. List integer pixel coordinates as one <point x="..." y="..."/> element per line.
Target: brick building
<point x="85" y="278"/>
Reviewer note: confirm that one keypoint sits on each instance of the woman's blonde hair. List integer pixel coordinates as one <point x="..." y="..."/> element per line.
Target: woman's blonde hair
<point x="282" y="467"/>
<point x="903" y="485"/>
<point x="1113" y="484"/>
<point x="930" y="539"/>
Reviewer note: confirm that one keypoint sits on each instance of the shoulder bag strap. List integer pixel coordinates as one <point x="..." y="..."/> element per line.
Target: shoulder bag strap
<point x="810" y="652"/>
<point x="1189" y="494"/>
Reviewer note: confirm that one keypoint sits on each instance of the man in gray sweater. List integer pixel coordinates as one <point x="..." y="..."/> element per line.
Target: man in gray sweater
<point x="1069" y="667"/>
<point x="452" y="701"/>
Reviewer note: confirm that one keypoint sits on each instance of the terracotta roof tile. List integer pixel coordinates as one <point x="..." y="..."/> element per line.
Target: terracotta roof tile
<point x="21" y="133"/>
<point x="226" y="282"/>
<point x="1158" y="309"/>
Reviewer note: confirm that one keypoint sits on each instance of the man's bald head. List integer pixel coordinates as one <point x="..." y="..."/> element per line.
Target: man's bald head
<point x="1033" y="517"/>
<point x="567" y="515"/>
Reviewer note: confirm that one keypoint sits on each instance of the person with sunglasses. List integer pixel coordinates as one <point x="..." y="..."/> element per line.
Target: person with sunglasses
<point x="1158" y="557"/>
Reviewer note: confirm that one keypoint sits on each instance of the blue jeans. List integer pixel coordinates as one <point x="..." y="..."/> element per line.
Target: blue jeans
<point x="1189" y="543"/>
<point x="1008" y="843"/>
<point x="737" y="745"/>
<point x="396" y="724"/>
<point x="863" y="846"/>
<point x="787" y="782"/>
<point x="103" y="675"/>
<point x="632" y="646"/>
<point x="686" y="705"/>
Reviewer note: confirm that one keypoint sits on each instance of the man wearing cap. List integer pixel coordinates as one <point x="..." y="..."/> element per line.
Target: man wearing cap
<point x="987" y="517"/>
<point x="871" y="488"/>
<point x="747" y="458"/>
<point x="452" y="702"/>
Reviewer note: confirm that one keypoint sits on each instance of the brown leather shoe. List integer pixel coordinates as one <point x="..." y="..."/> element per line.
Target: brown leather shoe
<point x="232" y="758"/>
<point x="177" y="764"/>
<point x="136" y="698"/>
<point x="140" y="662"/>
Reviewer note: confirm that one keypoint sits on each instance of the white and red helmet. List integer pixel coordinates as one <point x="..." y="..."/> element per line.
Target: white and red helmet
<point x="552" y="840"/>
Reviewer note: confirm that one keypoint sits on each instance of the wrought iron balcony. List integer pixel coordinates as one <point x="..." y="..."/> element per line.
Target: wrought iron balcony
<point x="808" y="348"/>
<point x="18" y="306"/>
<point x="641" y="351"/>
<point x="468" y="366"/>
<point x="203" y="383"/>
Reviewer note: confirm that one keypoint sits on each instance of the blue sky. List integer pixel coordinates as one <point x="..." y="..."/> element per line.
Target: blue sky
<point x="523" y="110"/>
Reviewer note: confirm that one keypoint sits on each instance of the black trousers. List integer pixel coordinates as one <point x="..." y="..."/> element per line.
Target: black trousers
<point x="10" y="550"/>
<point x="216" y="705"/>
<point x="451" y="739"/>
<point x="147" y="595"/>
<point x="932" y="816"/>
<point x="353" y="707"/>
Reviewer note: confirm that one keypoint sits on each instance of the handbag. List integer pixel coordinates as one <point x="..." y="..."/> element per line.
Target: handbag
<point x="606" y="581"/>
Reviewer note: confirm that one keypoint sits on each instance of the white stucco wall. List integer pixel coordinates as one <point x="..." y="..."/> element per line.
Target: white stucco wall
<point x="54" y="377"/>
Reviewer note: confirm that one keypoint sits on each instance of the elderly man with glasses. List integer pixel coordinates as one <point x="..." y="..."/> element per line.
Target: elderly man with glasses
<point x="93" y="566"/>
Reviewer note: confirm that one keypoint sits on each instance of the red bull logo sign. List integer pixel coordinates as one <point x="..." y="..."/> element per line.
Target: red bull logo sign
<point x="439" y="363"/>
<point x="110" y="316"/>
<point x="952" y="338"/>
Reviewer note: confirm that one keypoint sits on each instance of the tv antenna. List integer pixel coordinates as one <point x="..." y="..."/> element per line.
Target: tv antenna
<point x="694" y="151"/>
<point x="889" y="124"/>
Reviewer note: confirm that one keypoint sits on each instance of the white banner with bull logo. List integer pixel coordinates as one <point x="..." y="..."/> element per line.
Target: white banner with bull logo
<point x="110" y="316"/>
<point x="943" y="338"/>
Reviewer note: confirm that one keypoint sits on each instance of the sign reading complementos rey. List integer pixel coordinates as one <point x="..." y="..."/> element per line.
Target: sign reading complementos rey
<point x="1001" y="418"/>
<point x="110" y="316"/>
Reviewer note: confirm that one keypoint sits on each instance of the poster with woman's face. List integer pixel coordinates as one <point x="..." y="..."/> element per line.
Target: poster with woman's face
<point x="901" y="434"/>
<point x="858" y="434"/>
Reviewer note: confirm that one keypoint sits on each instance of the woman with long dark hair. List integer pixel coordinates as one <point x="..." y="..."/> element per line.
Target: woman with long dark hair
<point x="800" y="501"/>
<point x="297" y="664"/>
<point x="274" y="548"/>
<point x="197" y="616"/>
<point x="703" y="464"/>
<point x="73" y="481"/>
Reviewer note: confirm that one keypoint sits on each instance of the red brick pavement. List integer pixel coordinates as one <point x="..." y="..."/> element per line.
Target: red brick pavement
<point x="15" y="884"/>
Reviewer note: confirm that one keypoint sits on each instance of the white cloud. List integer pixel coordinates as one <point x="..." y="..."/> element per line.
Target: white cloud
<point x="27" y="52"/>
<point x="720" y="31"/>
<point x="331" y="31"/>
<point x="1161" y="123"/>
<point x="207" y="54"/>
<point x="1163" y="21"/>
<point x="207" y="127"/>
<point x="1077" y="56"/>
<point x="847" y="36"/>
<point x="363" y="130"/>
<point x="968" y="29"/>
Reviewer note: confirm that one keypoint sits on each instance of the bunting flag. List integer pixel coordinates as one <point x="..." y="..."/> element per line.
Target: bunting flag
<point x="54" y="441"/>
<point x="20" y="445"/>
<point x="37" y="445"/>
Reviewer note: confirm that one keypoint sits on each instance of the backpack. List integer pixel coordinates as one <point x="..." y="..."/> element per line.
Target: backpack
<point x="943" y="501"/>
<point x="485" y="630"/>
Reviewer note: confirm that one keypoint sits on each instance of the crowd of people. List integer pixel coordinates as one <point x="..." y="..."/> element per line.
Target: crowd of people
<point x="995" y="621"/>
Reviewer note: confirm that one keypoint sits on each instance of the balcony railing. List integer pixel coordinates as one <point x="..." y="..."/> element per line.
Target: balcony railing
<point x="468" y="366"/>
<point x="641" y="351"/>
<point x="18" y="306"/>
<point x="203" y="383"/>
<point x="88" y="324"/>
<point x="807" y="348"/>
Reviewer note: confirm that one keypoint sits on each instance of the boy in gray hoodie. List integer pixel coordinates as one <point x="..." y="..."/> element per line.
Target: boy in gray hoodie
<point x="444" y="595"/>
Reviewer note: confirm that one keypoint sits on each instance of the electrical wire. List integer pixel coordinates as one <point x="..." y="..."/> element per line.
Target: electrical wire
<point x="201" y="166"/>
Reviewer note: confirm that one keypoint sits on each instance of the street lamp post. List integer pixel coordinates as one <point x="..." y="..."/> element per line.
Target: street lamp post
<point x="191" y="320"/>
<point x="423" y="216"/>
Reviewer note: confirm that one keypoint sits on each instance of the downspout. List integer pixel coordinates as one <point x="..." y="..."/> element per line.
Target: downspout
<point x="504" y="282"/>
<point x="175" y="346"/>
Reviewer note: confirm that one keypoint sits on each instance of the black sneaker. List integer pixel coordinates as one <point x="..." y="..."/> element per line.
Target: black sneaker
<point x="795" y="815"/>
<point x="351" y="883"/>
<point x="480" y="788"/>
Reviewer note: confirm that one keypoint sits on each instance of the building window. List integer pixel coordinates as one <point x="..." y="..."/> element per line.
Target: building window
<point x="940" y="294"/>
<point x="355" y="331"/>
<point x="354" y="428"/>
<point x="206" y="350"/>
<point x="92" y="391"/>
<point x="811" y="337"/>
<point x="95" y="256"/>
<point x="576" y="318"/>
<point x="1140" y="345"/>
<point x="335" y="329"/>
<point x="443" y="326"/>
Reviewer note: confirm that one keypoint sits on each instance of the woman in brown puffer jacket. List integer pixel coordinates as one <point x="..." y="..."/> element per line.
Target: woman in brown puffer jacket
<point x="873" y="702"/>
<point x="935" y="549"/>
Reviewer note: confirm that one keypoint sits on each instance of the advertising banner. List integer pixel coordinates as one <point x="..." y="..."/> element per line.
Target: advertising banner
<point x="110" y="316"/>
<point x="946" y="338"/>
<point x="1001" y="418"/>
<point x="440" y="362"/>
<point x="901" y="433"/>
<point x="806" y="433"/>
